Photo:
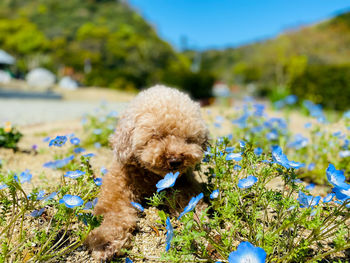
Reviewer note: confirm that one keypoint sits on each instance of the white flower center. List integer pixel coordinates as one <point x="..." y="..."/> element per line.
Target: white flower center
<point x="249" y="259"/>
<point x="345" y="192"/>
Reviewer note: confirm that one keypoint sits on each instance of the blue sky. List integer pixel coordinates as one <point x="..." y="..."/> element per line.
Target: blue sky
<point x="222" y="23"/>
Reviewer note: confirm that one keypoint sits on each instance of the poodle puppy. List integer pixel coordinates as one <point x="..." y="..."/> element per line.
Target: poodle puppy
<point x="161" y="131"/>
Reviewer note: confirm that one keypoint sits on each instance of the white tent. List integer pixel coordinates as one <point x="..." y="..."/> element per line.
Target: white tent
<point x="40" y="78"/>
<point x="68" y="83"/>
<point x="6" y="58"/>
<point x="5" y="77"/>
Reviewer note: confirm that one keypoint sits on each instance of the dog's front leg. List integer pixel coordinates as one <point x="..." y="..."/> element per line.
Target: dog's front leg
<point x="119" y="217"/>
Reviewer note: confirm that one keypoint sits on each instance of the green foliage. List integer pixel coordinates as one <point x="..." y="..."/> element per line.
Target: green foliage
<point x="199" y="84"/>
<point x="268" y="217"/>
<point x="9" y="137"/>
<point x="21" y="36"/>
<point x="328" y="85"/>
<point x="99" y="126"/>
<point x="25" y="236"/>
<point x="106" y="43"/>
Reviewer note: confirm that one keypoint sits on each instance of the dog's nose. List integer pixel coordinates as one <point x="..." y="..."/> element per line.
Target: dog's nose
<point x="175" y="162"/>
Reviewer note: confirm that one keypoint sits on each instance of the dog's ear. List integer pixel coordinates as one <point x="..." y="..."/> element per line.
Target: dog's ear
<point x="121" y="140"/>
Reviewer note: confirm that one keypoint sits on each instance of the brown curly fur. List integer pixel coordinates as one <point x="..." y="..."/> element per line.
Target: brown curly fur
<point x="160" y="125"/>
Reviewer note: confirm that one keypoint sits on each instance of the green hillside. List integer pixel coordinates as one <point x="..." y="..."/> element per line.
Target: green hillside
<point x="282" y="62"/>
<point x="100" y="42"/>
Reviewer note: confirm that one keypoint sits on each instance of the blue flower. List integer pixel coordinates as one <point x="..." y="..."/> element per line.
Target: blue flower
<point x="237" y="167"/>
<point x="88" y="206"/>
<point x="234" y="156"/>
<point x="308" y="200"/>
<point x="311" y="166"/>
<point x="214" y="194"/>
<point x="335" y="177"/>
<point x="258" y="151"/>
<point x="75" y="140"/>
<point x="291" y="208"/>
<point x="84" y="121"/>
<point x="24" y="177"/>
<point x="74" y="174"/>
<point x="344" y="154"/>
<point x="71" y="201"/>
<point x="337" y="134"/>
<point x="97" y="131"/>
<point x="38" y="196"/>
<point x="128" y="260"/>
<point x="37" y="213"/>
<point x="219" y="118"/>
<point x="168" y="181"/>
<point x="310" y="187"/>
<point x="308" y="125"/>
<point x="291" y="99"/>
<point x="192" y="204"/>
<point x="256" y="129"/>
<point x="169" y="234"/>
<point x="247" y="182"/>
<point x="102" y="119"/>
<point x="207" y="155"/>
<point x="242" y="121"/>
<point x="217" y="125"/>
<point x="3" y="186"/>
<point x="282" y="159"/>
<point x="137" y="206"/>
<point x="314" y="110"/>
<point x="97" y="145"/>
<point x="278" y="123"/>
<point x="58" y="141"/>
<point x="342" y="202"/>
<point x="272" y="135"/>
<point x="220" y="140"/>
<point x="50" y="196"/>
<point x="70" y="135"/>
<point x="79" y="150"/>
<point x="229" y="149"/>
<point x="298" y="142"/>
<point x="279" y="104"/>
<point x="242" y="144"/>
<point x="58" y="163"/>
<point x="342" y="193"/>
<point x="46" y="139"/>
<point x="297" y="181"/>
<point x="103" y="170"/>
<point x="98" y="181"/>
<point x="111" y="127"/>
<point x="259" y="110"/>
<point x="328" y="198"/>
<point x="113" y="114"/>
<point x="89" y="155"/>
<point x="346" y="114"/>
<point x="246" y="252"/>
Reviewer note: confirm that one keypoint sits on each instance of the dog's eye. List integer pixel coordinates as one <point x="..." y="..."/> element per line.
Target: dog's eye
<point x="190" y="140"/>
